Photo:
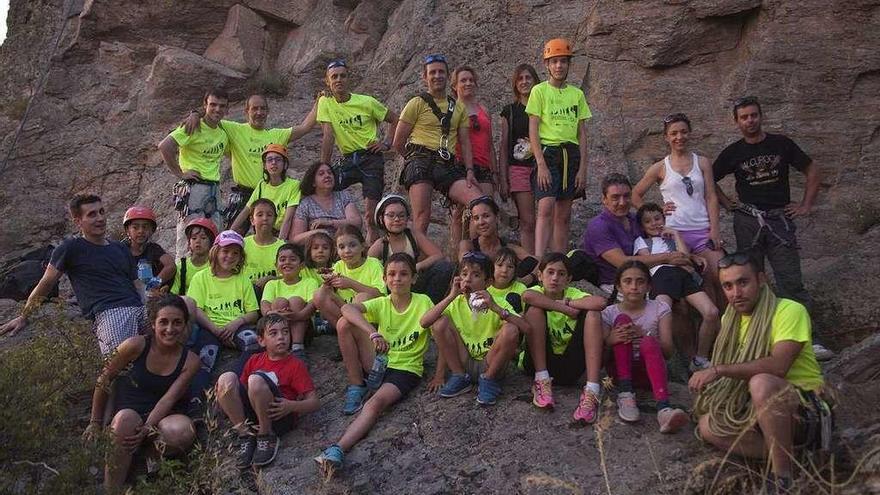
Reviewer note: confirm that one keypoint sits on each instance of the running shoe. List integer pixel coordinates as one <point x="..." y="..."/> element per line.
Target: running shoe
<point x="626" y="407"/>
<point x="330" y="459"/>
<point x="354" y="399"/>
<point x="671" y="419"/>
<point x="244" y="451"/>
<point x="542" y="394"/>
<point x="267" y="449"/>
<point x="588" y="407"/>
<point x="456" y="385"/>
<point x="488" y="391"/>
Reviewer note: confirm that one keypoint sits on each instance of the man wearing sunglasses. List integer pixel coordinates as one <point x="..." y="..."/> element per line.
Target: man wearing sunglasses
<point x="762" y="395"/>
<point x="764" y="214"/>
<point x="430" y="126"/>
<point x="352" y="121"/>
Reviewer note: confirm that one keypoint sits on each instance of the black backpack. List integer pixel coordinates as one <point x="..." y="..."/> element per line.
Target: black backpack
<point x="19" y="276"/>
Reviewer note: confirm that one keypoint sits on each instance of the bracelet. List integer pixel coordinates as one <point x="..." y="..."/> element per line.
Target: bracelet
<point x="375" y="335"/>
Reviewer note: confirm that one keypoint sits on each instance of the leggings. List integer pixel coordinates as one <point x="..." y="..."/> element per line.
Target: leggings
<point x="651" y="362"/>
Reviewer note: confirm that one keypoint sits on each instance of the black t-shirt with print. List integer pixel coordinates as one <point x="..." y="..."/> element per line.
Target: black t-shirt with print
<point x="517" y="127"/>
<point x="761" y="169"/>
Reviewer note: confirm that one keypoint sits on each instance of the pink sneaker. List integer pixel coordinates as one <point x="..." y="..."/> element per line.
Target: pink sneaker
<point x="671" y="419"/>
<point x="542" y="394"/>
<point x="588" y="407"/>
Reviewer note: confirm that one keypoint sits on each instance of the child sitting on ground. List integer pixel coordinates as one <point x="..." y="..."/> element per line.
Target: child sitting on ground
<point x="505" y="286"/>
<point x="476" y="335"/>
<point x="200" y="234"/>
<point x="139" y="223"/>
<point x="671" y="283"/>
<point x="261" y="247"/>
<point x="320" y="255"/>
<point x="291" y="295"/>
<point x="273" y="389"/>
<point x="556" y="348"/>
<point x="639" y="333"/>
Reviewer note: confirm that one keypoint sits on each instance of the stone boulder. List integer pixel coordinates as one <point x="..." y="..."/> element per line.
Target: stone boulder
<point x="294" y="13"/>
<point x="240" y="45"/>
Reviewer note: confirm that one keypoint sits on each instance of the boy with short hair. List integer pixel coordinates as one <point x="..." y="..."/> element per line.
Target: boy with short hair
<point x="557" y="113"/>
<point x="273" y="389"/>
<point x="476" y="335"/>
<point x="139" y="223"/>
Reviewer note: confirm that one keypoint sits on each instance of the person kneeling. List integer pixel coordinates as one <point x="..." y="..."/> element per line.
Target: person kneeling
<point x="760" y="396"/>
<point x="273" y="389"/>
<point x="476" y="335"/>
<point x="383" y="333"/>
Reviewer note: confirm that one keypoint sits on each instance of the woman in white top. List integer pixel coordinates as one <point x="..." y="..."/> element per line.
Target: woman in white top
<point x="689" y="199"/>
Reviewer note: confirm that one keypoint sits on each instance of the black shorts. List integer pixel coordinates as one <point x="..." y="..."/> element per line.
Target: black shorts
<point x="673" y="281"/>
<point x="280" y="426"/>
<point x="566" y="368"/>
<point x="563" y="161"/>
<point x="441" y="174"/>
<point x="483" y="175"/>
<point x="362" y="167"/>
<point x="405" y="381"/>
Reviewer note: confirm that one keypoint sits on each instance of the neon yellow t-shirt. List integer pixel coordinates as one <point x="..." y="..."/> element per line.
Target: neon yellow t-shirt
<point x="407" y="340"/>
<point x="516" y="287"/>
<point x="369" y="273"/>
<point x="191" y="271"/>
<point x="559" y="326"/>
<point x="477" y="333"/>
<point x="304" y="289"/>
<point x="284" y="195"/>
<point x="426" y="127"/>
<point x="355" y="122"/>
<point x="201" y="151"/>
<point x="223" y="299"/>
<point x="792" y="322"/>
<point x="311" y="273"/>
<point x="560" y="110"/>
<point x="259" y="261"/>
<point x="246" y="146"/>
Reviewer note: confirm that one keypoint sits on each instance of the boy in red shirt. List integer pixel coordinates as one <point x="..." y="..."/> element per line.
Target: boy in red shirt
<point x="273" y="389"/>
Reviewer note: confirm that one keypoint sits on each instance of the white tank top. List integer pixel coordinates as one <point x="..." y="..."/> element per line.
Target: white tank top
<point x="690" y="209"/>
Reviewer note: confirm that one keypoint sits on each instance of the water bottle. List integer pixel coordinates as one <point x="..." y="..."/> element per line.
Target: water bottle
<point x="377" y="373"/>
<point x="145" y="271"/>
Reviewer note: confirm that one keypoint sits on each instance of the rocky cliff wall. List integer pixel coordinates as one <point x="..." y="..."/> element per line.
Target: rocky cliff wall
<point x="125" y="72"/>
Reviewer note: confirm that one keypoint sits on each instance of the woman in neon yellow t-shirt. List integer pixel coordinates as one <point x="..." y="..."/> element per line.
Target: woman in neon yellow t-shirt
<point x="355" y="277"/>
<point x="386" y="325"/>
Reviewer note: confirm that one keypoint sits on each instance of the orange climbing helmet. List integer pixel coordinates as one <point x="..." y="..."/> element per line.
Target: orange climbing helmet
<point x="204" y="223"/>
<point x="557" y="47"/>
<point x="275" y="148"/>
<point x="139" y="213"/>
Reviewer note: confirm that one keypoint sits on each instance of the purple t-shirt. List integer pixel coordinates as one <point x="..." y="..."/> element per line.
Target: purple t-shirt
<point x="604" y="233"/>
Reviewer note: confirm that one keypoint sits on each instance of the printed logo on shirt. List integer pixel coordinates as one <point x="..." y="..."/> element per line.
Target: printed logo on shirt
<point x="559" y="334"/>
<point x="761" y="169"/>
<point x="479" y="348"/>
<point x="260" y="274"/>
<point x="572" y="110"/>
<point x="404" y="341"/>
<point x="237" y="305"/>
<point x="356" y="121"/>
<point x="217" y="149"/>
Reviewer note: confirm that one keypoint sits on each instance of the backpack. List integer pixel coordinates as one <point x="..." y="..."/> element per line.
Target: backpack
<point x="386" y="247"/>
<point x="583" y="267"/>
<point x="19" y="276"/>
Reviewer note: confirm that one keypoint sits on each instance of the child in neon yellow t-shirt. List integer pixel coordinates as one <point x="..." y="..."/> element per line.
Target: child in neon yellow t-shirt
<point x="383" y="325"/>
<point x="474" y="332"/>
<point x="355" y="277"/>
<point x="505" y="286"/>
<point x="261" y="248"/>
<point x="291" y="295"/>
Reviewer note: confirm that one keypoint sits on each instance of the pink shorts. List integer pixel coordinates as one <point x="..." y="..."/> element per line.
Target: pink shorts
<point x="520" y="178"/>
<point x="696" y="240"/>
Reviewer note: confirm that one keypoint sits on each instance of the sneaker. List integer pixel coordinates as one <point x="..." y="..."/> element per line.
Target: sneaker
<point x="488" y="391"/>
<point x="699" y="364"/>
<point x="588" y="407"/>
<point x="456" y="385"/>
<point x="354" y="399"/>
<point x="542" y="394"/>
<point x="244" y="451"/>
<point x="626" y="407"/>
<point x="330" y="459"/>
<point x="822" y="353"/>
<point x="267" y="448"/>
<point x="671" y="419"/>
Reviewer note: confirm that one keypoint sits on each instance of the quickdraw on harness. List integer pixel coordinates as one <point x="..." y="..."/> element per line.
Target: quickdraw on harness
<point x="445" y="122"/>
<point x="235" y="203"/>
<point x="180" y="197"/>
<point x="762" y="217"/>
<point x="181" y="193"/>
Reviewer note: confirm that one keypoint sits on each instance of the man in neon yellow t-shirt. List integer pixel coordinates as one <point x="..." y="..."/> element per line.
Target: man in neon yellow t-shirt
<point x="762" y="393"/>
<point x="352" y="120"/>
<point x="557" y="113"/>
<point x="195" y="159"/>
<point x="247" y="142"/>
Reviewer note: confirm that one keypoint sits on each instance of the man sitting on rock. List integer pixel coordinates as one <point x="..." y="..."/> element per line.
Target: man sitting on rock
<point x="102" y="273"/>
<point x="759" y="399"/>
<point x="247" y="142"/>
<point x="195" y="159"/>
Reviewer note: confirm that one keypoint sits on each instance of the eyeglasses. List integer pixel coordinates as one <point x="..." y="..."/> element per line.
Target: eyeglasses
<point x="336" y="63"/>
<point x="395" y="216"/>
<point x="745" y="101"/>
<point x="430" y="59"/>
<point x="485" y="200"/>
<point x="738" y="259"/>
<point x="688" y="185"/>
<point x="274" y="159"/>
<point x="475" y="124"/>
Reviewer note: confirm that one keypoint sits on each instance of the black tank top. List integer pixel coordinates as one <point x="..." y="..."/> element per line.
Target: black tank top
<point x="139" y="389"/>
<point x="475" y="242"/>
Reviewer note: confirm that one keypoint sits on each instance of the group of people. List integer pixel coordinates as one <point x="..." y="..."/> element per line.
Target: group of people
<point x="297" y="259"/>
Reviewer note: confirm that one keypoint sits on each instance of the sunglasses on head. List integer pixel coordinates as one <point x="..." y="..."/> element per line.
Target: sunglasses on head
<point x="336" y="63"/>
<point x="739" y="259"/>
<point x="688" y="185"/>
<point x="477" y="256"/>
<point x="674" y="117"/>
<point x="485" y="200"/>
<point x="430" y="59"/>
<point x="745" y="101"/>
